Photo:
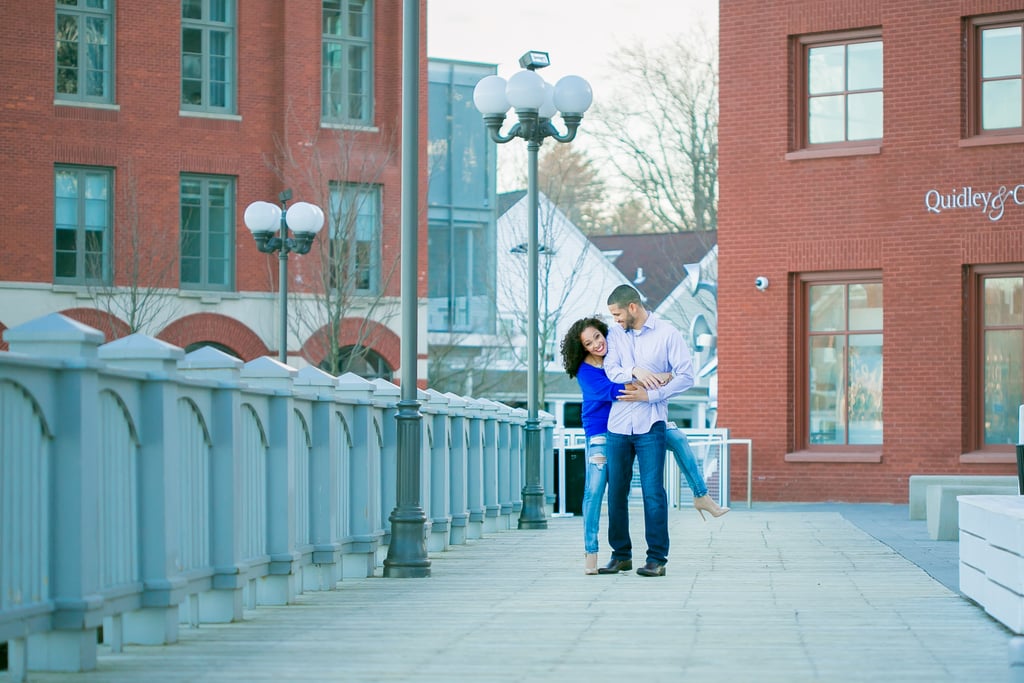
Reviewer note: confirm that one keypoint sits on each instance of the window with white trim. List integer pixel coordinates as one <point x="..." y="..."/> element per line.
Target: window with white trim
<point x="207" y="232"/>
<point x="354" y="237"/>
<point x="347" y="62"/>
<point x="208" y="48"/>
<point x="83" y="220"/>
<point x="85" y="50"/>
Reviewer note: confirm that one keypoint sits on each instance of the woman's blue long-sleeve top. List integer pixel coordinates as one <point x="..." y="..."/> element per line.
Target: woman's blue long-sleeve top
<point x="598" y="394"/>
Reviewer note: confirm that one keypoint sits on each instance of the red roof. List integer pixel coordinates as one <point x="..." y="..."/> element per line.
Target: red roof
<point x="658" y="260"/>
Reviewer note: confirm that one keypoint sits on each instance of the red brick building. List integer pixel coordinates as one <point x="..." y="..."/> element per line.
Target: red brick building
<point x="870" y="170"/>
<point x="134" y="135"/>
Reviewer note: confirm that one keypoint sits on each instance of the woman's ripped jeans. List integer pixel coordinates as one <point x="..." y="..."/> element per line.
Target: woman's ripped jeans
<point x="593" y="493"/>
<point x="676" y="441"/>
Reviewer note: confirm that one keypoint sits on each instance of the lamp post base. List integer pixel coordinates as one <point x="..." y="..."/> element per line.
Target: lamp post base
<point x="533" y="515"/>
<point x="407" y="552"/>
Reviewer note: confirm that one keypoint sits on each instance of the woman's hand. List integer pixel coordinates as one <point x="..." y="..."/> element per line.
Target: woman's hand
<point x="633" y="393"/>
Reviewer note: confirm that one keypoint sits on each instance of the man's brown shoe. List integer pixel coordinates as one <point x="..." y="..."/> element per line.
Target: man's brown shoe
<point x="651" y="569"/>
<point x="615" y="566"/>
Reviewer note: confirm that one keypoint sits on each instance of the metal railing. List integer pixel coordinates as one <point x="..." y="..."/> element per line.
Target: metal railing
<point x="191" y="486"/>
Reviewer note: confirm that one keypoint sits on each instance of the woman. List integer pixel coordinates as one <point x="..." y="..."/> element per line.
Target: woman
<point x="583" y="350"/>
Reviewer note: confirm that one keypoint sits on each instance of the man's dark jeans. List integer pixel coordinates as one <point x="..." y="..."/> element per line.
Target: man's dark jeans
<point x="649" y="450"/>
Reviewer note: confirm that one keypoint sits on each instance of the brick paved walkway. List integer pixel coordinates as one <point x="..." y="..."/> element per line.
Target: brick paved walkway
<point x="785" y="594"/>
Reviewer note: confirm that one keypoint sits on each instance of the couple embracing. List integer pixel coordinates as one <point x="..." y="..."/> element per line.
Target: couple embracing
<point x="627" y="372"/>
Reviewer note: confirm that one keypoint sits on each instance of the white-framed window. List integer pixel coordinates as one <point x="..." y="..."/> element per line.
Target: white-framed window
<point x="208" y="55"/>
<point x="347" y="62"/>
<point x="83" y="224"/>
<point x="207" y="232"/>
<point x="355" y="228"/>
<point x="85" y="50"/>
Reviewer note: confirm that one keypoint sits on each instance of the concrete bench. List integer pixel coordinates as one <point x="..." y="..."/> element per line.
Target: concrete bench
<point x="919" y="484"/>
<point x="943" y="510"/>
<point x="992" y="557"/>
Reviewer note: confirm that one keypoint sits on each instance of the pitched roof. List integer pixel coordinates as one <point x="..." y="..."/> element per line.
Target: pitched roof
<point x="656" y="262"/>
<point x="507" y="200"/>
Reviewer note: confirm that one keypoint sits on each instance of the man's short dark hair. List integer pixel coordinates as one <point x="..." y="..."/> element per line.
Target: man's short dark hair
<point x="624" y="295"/>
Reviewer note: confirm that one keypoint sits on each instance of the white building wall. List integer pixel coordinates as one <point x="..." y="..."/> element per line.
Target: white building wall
<point x="575" y="277"/>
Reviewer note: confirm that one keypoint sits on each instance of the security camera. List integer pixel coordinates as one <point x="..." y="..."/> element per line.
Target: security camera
<point x="761" y="282"/>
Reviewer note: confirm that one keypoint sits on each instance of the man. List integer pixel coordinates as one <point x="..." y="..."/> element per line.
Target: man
<point x="639" y="347"/>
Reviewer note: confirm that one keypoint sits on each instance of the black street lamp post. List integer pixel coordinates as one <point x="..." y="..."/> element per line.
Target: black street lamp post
<point x="407" y="552"/>
<point x="536" y="103"/>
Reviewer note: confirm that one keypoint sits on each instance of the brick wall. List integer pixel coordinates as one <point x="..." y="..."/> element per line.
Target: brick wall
<point x="780" y="217"/>
<point x="150" y="144"/>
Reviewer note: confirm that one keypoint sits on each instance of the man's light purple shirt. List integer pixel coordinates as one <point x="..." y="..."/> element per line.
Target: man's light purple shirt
<point x="658" y="347"/>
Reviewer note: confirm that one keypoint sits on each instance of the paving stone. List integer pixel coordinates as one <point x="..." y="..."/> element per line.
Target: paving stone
<point x="776" y="593"/>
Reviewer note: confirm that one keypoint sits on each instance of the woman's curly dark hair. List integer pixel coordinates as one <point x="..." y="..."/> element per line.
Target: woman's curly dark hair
<point x="573" y="352"/>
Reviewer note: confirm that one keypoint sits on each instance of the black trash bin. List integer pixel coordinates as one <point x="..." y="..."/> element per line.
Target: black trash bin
<point x="575" y="480"/>
<point x="1020" y="469"/>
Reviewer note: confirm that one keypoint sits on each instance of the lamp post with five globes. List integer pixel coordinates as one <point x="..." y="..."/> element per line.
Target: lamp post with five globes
<point x="305" y="221"/>
<point x="536" y="102"/>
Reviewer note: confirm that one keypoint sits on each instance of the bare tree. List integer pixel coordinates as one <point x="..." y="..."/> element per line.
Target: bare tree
<point x="350" y="276"/>
<point x="628" y="217"/>
<point x="661" y="136"/>
<point x="145" y="300"/>
<point x="570" y="178"/>
<point x="464" y="374"/>
<point x="560" y="269"/>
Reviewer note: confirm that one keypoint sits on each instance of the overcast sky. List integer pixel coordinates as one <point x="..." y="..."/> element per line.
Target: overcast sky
<point x="579" y="34"/>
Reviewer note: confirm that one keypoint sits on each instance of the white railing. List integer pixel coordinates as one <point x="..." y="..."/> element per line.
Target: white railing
<point x="142" y="488"/>
<point x="710" y="446"/>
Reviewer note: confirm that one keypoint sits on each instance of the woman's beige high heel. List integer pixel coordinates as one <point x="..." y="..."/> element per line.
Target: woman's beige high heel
<point x="707" y="504"/>
<point x="590" y="563"/>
